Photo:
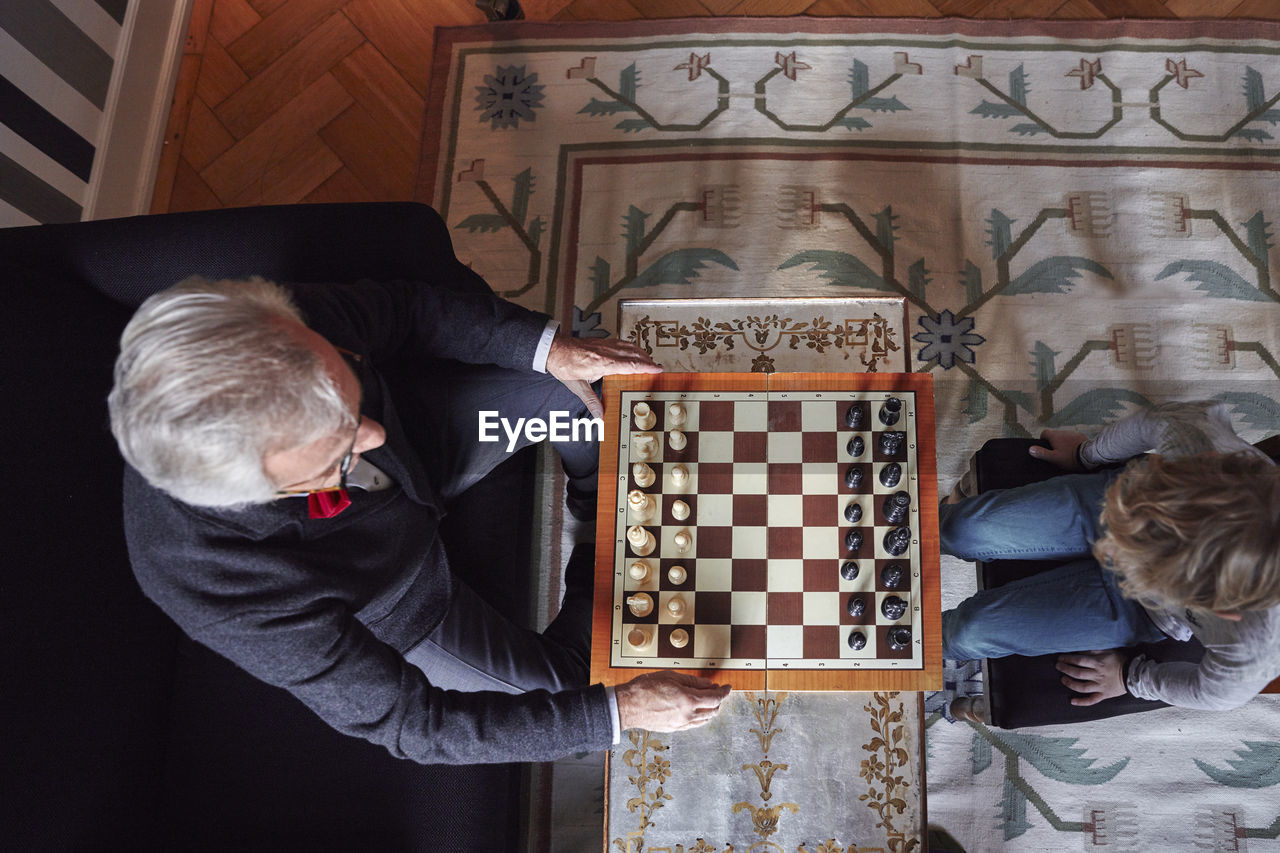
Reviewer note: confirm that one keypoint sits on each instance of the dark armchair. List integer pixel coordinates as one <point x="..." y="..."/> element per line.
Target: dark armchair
<point x="119" y="732"/>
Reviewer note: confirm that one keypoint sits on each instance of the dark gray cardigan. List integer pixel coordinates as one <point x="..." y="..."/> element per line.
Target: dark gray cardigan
<point x="326" y="607"/>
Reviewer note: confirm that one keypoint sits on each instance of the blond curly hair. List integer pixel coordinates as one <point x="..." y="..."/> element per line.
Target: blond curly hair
<point x="1196" y="531"/>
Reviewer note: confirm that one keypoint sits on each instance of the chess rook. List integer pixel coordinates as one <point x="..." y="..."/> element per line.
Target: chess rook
<point x="643" y="416"/>
<point x="899" y="638"/>
<point x="890" y="411"/>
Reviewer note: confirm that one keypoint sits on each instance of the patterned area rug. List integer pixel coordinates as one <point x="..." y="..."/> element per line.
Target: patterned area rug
<point x="1080" y="217"/>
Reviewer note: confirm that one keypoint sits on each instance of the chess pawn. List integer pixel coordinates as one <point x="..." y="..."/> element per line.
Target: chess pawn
<point x="853" y="477"/>
<point x="853" y="417"/>
<point x="643" y="475"/>
<point x="641" y="540"/>
<point x="641" y="604"/>
<point x="638" y="571"/>
<point x="677" y="440"/>
<point x="857" y="641"/>
<point x="677" y="575"/>
<point x="856" y="446"/>
<point x="643" y="416"/>
<point x="682" y="540"/>
<point x="640" y="505"/>
<point x="679" y="638"/>
<point x="679" y="475"/>
<point x="853" y="512"/>
<point x="676" y="607"/>
<point x="646" y="446"/>
<point x="680" y="510"/>
<point x="676" y="415"/>
<point x="638" y="637"/>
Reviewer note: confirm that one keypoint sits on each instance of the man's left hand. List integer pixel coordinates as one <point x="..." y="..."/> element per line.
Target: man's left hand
<point x="577" y="362"/>
<point x="1097" y="674"/>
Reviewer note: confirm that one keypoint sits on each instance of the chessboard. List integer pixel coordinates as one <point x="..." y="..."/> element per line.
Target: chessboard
<point x="769" y="531"/>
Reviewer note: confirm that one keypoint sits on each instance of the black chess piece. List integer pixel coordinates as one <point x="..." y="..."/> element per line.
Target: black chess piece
<point x="890" y="411"/>
<point x="853" y="477"/>
<point x="856" y="446"/>
<point x="857" y="640"/>
<point x="856" y="606"/>
<point x="892" y="576"/>
<point x="893" y="607"/>
<point x="853" y="540"/>
<point x="891" y="442"/>
<point x="899" y="638"/>
<point x="853" y="512"/>
<point x="849" y="569"/>
<point x="891" y="475"/>
<point x="896" y="507"/>
<point x="853" y="417"/>
<point x="897" y="541"/>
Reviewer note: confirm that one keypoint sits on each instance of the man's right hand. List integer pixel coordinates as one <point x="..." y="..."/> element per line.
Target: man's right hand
<point x="1062" y="448"/>
<point x="668" y="701"/>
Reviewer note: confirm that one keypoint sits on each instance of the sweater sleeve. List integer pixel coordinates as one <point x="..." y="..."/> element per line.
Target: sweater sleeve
<point x="362" y="687"/>
<point x="1240" y="659"/>
<point x="411" y="320"/>
<point x="286" y="611"/>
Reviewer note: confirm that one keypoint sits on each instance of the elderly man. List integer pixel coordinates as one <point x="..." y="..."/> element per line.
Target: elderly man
<point x="291" y="453"/>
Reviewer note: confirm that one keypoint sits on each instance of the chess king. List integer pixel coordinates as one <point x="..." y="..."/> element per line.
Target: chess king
<point x="290" y="454"/>
<point x="1184" y="541"/>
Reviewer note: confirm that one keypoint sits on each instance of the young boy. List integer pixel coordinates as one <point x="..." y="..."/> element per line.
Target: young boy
<point x="1183" y="542"/>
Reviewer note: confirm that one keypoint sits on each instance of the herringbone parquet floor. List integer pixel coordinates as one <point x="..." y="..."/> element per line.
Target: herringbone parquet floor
<point x="284" y="101"/>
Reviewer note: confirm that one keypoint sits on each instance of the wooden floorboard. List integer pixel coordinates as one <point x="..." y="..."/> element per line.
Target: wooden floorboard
<point x="323" y="100"/>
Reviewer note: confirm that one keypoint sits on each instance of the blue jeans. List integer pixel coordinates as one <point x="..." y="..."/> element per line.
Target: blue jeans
<point x="1074" y="607"/>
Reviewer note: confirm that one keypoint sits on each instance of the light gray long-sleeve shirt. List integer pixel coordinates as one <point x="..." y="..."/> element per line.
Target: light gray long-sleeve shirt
<point x="1240" y="657"/>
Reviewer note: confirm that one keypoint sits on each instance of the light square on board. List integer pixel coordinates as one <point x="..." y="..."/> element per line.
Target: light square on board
<point x="749" y="608"/>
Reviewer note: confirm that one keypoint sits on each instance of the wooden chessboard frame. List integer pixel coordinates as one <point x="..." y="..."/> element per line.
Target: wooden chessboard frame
<point x="927" y="677"/>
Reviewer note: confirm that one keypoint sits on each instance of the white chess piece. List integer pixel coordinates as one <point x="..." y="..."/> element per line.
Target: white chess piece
<point x="644" y="417"/>
<point x="638" y="571"/>
<point x="640" y="603"/>
<point x="679" y="638"/>
<point x="677" y="575"/>
<point x="642" y="541"/>
<point x="646" y="446"/>
<point x="683" y="541"/>
<point x="676" y="606"/>
<point x="638" y="637"/>
<point x="643" y="475"/>
<point x="677" y="440"/>
<point x="642" y="506"/>
<point x="680" y="510"/>
<point x="679" y="475"/>
<point x="676" y="415"/>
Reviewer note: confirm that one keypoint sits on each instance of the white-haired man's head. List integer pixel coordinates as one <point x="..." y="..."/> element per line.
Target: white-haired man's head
<point x="215" y="378"/>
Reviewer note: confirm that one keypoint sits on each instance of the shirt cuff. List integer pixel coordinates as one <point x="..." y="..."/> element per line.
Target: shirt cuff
<point x="544" y="346"/>
<point x="613" y="714"/>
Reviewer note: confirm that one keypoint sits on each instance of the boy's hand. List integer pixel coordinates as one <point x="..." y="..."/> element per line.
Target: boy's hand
<point x="1062" y="448"/>
<point x="1097" y="674"/>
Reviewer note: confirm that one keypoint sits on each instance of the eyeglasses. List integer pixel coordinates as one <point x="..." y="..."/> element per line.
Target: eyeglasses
<point x="344" y="466"/>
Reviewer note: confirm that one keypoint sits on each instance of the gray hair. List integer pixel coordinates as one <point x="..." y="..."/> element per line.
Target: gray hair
<point x="209" y="381"/>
